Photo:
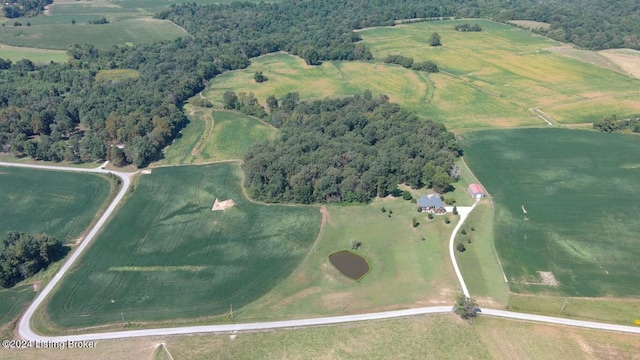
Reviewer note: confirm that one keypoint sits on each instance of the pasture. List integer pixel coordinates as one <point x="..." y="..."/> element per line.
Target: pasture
<point x="419" y="271"/>
<point x="13" y="301"/>
<point x="60" y="204"/>
<point x="565" y="203"/>
<point x="490" y="78"/>
<point x="165" y="256"/>
<point x="215" y="136"/>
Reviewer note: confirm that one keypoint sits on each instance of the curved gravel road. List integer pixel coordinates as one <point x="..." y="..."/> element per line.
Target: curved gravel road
<point x="25" y="331"/>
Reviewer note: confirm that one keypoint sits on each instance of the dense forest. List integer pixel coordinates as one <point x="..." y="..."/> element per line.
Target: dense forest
<point x="17" y="8"/>
<point x="349" y="149"/>
<point x="23" y="255"/>
<point x="64" y="112"/>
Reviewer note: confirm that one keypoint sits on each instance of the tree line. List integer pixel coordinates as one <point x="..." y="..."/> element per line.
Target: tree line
<point x="407" y="62"/>
<point x="612" y="124"/>
<point x="23" y="255"/>
<point x="347" y="150"/>
<point x="63" y="112"/>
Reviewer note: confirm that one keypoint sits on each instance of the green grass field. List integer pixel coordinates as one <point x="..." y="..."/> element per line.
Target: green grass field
<point x="39" y="56"/>
<point x="166" y="256"/>
<point x="419" y="272"/>
<point x="579" y="191"/>
<point x="60" y="204"/>
<point x="487" y="79"/>
<point x="215" y="136"/>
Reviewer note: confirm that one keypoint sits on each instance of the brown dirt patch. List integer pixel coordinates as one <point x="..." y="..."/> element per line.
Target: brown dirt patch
<point x="593" y="94"/>
<point x="222" y="205"/>
<point x="627" y="59"/>
<point x="530" y="24"/>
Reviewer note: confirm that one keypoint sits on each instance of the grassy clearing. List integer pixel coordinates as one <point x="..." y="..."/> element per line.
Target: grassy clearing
<point x="588" y="111"/>
<point x="419" y="272"/>
<point x="39" y="56"/>
<point x="60" y="204"/>
<point x="479" y="263"/>
<point x="58" y="36"/>
<point x="165" y="256"/>
<point x="579" y="191"/>
<point x="117" y="75"/>
<point x="215" y="136"/>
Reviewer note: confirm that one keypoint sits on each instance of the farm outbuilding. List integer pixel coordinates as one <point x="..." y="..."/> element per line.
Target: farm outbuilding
<point x="476" y="191"/>
<point x="431" y="203"/>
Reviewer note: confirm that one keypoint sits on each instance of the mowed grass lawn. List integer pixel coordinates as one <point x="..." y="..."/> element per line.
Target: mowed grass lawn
<point x="215" y="136"/>
<point x="165" y="256"/>
<point x="405" y="270"/>
<point x="580" y="193"/>
<point x="60" y="204"/>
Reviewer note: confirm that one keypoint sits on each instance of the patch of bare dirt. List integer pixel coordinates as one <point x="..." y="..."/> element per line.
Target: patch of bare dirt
<point x="627" y="59"/>
<point x="222" y="205"/>
<point x="548" y="278"/>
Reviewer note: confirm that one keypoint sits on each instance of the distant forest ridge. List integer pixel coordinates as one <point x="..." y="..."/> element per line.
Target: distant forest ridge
<point x="65" y="112"/>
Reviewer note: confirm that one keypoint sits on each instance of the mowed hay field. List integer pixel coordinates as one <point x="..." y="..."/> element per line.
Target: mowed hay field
<point x="566" y="202"/>
<point x="165" y="256"/>
<point x="215" y="136"/>
<point x="507" y="67"/>
<point x="405" y="271"/>
<point x="60" y="204"/>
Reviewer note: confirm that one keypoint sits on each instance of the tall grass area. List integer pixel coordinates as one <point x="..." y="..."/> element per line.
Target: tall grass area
<point x="565" y="203"/>
<point x="60" y="204"/>
<point x="215" y="136"/>
<point x="406" y="271"/>
<point x="165" y="256"/>
<point x="13" y="301"/>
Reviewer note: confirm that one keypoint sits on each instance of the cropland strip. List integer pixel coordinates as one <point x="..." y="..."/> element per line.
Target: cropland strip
<point x="25" y="331"/>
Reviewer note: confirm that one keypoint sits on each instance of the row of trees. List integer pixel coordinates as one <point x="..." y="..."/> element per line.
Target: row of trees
<point x="17" y="8"/>
<point x="612" y="124"/>
<point x="407" y="62"/>
<point x="349" y="149"/>
<point x="23" y="255"/>
<point x="467" y="27"/>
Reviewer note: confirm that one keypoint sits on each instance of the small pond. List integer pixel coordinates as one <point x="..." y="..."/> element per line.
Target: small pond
<point x="350" y="264"/>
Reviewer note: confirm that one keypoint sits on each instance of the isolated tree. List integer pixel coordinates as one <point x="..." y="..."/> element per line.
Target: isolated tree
<point x="230" y="100"/>
<point x="259" y="77"/>
<point x="465" y="307"/>
<point x="434" y="40"/>
<point x="460" y="247"/>
<point x="414" y="222"/>
<point x="406" y="195"/>
<point x="446" y="220"/>
<point x="455" y="210"/>
<point x="73" y="21"/>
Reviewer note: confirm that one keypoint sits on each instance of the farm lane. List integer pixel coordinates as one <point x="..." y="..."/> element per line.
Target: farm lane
<point x="463" y="211"/>
<point x="25" y="331"/>
<point x="24" y="327"/>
